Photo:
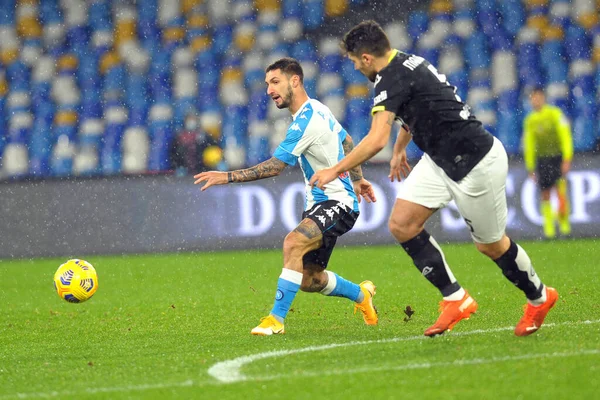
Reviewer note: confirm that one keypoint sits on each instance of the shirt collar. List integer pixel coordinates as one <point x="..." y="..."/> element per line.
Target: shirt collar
<point x="300" y="109"/>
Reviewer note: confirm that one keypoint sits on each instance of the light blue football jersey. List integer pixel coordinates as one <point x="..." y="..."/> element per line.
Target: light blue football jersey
<point x="314" y="138"/>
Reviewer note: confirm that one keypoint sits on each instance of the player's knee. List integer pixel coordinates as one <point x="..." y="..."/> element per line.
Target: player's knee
<point x="494" y="250"/>
<point x="403" y="229"/>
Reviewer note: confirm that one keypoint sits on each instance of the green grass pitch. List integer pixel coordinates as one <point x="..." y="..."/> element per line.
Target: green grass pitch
<point x="158" y="323"/>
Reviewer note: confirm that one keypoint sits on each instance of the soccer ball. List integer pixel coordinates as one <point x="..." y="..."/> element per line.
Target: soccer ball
<point x="76" y="281"/>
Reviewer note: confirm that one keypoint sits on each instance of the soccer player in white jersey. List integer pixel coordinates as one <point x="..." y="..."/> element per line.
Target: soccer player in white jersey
<point x="316" y="140"/>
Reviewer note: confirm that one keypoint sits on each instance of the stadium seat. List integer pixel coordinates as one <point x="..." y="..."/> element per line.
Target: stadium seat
<point x="135" y="147"/>
<point x="110" y="154"/>
<point x="15" y="160"/>
<point x="161" y="132"/>
<point x="313" y="13"/>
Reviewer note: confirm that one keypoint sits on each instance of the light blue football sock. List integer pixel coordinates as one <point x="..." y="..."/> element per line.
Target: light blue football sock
<point x="287" y="287"/>
<point x="340" y="287"/>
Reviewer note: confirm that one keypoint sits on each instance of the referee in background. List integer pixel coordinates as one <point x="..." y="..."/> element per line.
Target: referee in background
<point x="548" y="151"/>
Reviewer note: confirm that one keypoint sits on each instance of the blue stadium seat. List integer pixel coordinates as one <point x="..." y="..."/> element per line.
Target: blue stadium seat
<point x="513" y="16"/>
<point x="234" y="125"/>
<point x="476" y="51"/>
<point x="17" y="74"/>
<point x="528" y="62"/>
<point x="160" y="130"/>
<point x="7" y="16"/>
<point x="578" y="44"/>
<point x="418" y="22"/>
<point x="313" y="13"/>
<point x="291" y="8"/>
<point x="110" y="153"/>
<point x="509" y="123"/>
<point x="357" y="123"/>
<point x="222" y="38"/>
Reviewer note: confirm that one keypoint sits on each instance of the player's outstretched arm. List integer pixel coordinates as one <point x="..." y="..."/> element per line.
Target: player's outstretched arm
<point x="356" y="172"/>
<point x="372" y="144"/>
<point x="266" y="169"/>
<point x="362" y="187"/>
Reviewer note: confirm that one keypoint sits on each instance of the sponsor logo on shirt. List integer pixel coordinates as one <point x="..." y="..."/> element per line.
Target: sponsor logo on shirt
<point x="413" y="62"/>
<point x="377" y="79"/>
<point x="380" y="97"/>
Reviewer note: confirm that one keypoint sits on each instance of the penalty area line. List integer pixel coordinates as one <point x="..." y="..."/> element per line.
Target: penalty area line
<point x="229" y="371"/>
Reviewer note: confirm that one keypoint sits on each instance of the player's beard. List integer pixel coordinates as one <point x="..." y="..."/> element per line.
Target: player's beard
<point x="372" y="76"/>
<point x="287" y="99"/>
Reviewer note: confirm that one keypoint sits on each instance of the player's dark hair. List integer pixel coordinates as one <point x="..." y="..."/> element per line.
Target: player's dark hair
<point x="366" y="37"/>
<point x="289" y="66"/>
<point x="537" y="89"/>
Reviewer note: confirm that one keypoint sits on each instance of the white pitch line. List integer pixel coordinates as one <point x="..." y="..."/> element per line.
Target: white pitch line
<point x="239" y="362"/>
<point x="229" y="371"/>
<point x="426" y="365"/>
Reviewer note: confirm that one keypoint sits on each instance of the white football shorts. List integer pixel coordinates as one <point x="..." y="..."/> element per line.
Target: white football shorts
<point x="480" y="196"/>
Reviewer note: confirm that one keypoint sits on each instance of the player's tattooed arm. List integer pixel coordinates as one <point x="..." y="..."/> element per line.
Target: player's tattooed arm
<point x="356" y="172"/>
<point x="266" y="169"/>
<point x="391" y="119"/>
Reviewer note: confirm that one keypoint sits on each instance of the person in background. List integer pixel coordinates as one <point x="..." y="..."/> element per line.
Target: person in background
<point x="548" y="151"/>
<point x="193" y="149"/>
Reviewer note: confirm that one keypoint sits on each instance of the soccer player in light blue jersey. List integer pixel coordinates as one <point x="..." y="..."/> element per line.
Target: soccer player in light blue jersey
<point x="316" y="140"/>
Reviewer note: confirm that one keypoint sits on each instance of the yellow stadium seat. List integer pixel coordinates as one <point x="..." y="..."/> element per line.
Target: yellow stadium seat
<point x="335" y="8"/>
<point x="8" y="56"/>
<point x="535" y="3"/>
<point x="125" y="31"/>
<point x="67" y="62"/>
<point x="539" y="22"/>
<point x="65" y="118"/>
<point x="27" y="2"/>
<point x="197" y="21"/>
<point x="267" y="5"/>
<point x="200" y="43"/>
<point x="29" y="27"/>
<point x="596" y="55"/>
<point x="187" y="6"/>
<point x="357" y="91"/>
<point x="3" y="87"/>
<point x="552" y="32"/>
<point x="109" y="60"/>
<point x="231" y="74"/>
<point x="589" y="20"/>
<point x="244" y="42"/>
<point x="440" y="7"/>
<point x="173" y="34"/>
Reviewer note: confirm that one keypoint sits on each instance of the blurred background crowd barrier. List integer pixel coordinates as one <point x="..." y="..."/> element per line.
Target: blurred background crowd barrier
<point x="169" y="213"/>
<point x="96" y="95"/>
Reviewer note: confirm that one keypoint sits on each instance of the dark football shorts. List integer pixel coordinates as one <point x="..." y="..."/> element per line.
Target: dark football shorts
<point x="333" y="219"/>
<point x="548" y="171"/>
